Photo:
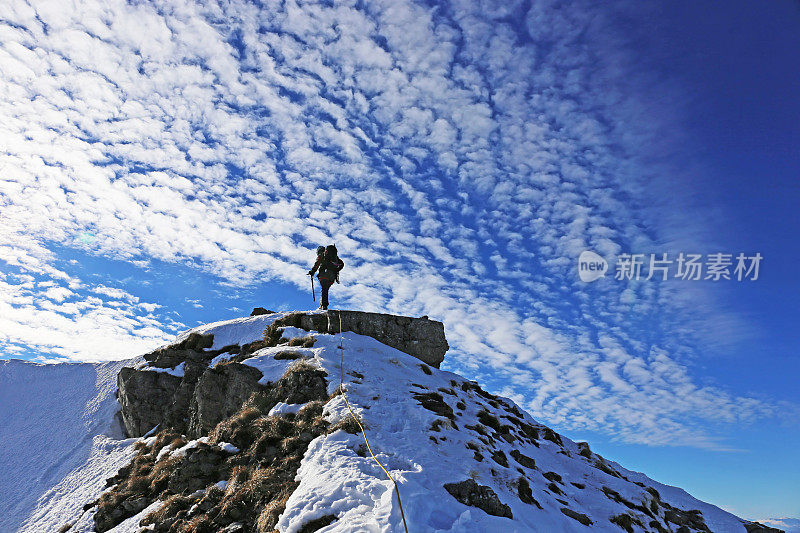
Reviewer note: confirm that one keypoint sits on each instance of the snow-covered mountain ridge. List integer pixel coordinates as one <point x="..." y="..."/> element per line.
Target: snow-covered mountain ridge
<point x="234" y="428"/>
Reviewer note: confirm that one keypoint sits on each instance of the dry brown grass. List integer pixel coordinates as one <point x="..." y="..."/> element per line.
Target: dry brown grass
<point x="238" y="428"/>
<point x="306" y="342"/>
<point x="260" y="481"/>
<point x="171" y="506"/>
<point x="261" y="402"/>
<point x="213" y="492"/>
<point x="238" y="477"/>
<point x="260" y="478"/>
<point x="268" y="517"/>
<point x="159" y="477"/>
<point x="137" y="484"/>
<point x="198" y="524"/>
<point x="272" y="334"/>
<point x="287" y="354"/>
<point x="141" y="460"/>
<point x="301" y="366"/>
<point x="265" y="445"/>
<point x="311" y="412"/>
<point x="347" y="424"/>
<point x="110" y="500"/>
<point x="234" y="497"/>
<point x="163" y="438"/>
<point x="242" y="497"/>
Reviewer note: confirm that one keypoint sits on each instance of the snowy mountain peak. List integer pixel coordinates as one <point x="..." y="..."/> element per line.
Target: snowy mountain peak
<point x="244" y="426"/>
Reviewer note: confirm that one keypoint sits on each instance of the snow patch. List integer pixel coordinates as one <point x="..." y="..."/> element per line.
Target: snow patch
<point x="282" y="408"/>
<point x="423" y="451"/>
<point x="237" y="331"/>
<point x="272" y="369"/>
<point x="227" y="447"/>
<point x="163" y="452"/>
<point x="191" y="445"/>
<point x="420" y="449"/>
<point x="291" y="332"/>
<point x="177" y="371"/>
<point x="131" y="525"/>
<point x="220" y="358"/>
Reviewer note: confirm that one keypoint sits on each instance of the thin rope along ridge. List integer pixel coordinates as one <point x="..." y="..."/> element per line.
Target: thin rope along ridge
<point x="363" y="432"/>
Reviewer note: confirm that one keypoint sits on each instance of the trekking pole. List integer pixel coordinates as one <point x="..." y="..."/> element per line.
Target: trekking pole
<point x="313" y="296"/>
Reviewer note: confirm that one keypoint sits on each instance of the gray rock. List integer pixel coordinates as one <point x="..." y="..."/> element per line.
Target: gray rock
<point x="580" y="517"/>
<point x="134" y="506"/>
<point x="756" y="527"/>
<point x="204" y="397"/>
<point x="149" y="398"/>
<point x="583" y="449"/>
<point x="523" y="459"/>
<point x="525" y="493"/>
<point x="420" y="337"/>
<point x="191" y="348"/>
<point x="484" y="498"/>
<point x="197" y="470"/>
<point x="303" y="384"/>
<point x="219" y="393"/>
<point x="176" y="416"/>
<point x="197" y="342"/>
<point x="145" y="396"/>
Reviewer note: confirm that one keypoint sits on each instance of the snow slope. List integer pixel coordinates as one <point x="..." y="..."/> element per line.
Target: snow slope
<point x="58" y="438"/>
<point x="57" y="429"/>
<point x="335" y="479"/>
<point x="380" y="381"/>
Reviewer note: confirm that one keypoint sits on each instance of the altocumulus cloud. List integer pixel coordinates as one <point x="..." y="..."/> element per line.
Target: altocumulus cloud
<point x="62" y="316"/>
<point x="461" y="156"/>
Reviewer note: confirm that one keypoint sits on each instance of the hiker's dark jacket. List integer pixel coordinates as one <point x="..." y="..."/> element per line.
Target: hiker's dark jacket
<point x="328" y="268"/>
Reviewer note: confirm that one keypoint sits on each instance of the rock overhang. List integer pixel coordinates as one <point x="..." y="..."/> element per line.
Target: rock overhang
<point x="419" y="337"/>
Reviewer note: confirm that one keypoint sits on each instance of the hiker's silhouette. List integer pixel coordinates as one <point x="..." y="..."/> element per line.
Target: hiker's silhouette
<point x="328" y="266"/>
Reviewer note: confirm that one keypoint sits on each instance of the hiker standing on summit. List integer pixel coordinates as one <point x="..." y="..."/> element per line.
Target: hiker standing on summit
<point x="329" y="265"/>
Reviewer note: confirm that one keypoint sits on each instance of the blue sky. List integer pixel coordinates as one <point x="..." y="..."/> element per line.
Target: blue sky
<point x="166" y="164"/>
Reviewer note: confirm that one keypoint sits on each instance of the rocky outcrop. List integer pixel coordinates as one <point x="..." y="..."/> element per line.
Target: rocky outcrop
<point x="219" y="393"/>
<point x="145" y="397"/>
<point x="421" y="337"/>
<point x="484" y="498"/>
<point x="191" y="400"/>
<point x="226" y="453"/>
<point x="192" y="348"/>
<point x="580" y="517"/>
<point x="197" y="398"/>
<point x="255" y="454"/>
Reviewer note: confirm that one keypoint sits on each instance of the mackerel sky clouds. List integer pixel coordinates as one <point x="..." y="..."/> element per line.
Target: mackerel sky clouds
<point x="163" y="162"/>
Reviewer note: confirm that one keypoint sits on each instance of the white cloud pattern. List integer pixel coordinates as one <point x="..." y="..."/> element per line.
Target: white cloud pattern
<point x="461" y="156"/>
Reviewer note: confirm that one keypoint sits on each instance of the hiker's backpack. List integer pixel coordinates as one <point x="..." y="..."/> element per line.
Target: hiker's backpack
<point x="331" y="264"/>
